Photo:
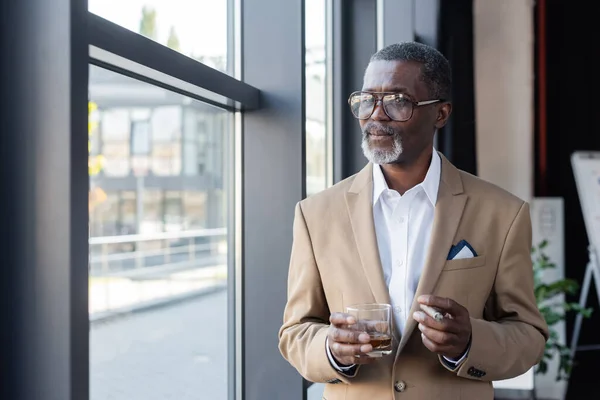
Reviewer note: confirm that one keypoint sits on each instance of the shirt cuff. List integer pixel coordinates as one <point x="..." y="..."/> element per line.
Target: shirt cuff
<point x="454" y="363"/>
<point x="334" y="364"/>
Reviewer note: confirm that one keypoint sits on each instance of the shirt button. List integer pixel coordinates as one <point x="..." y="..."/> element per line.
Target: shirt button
<point x="400" y="263"/>
<point x="401" y="220"/>
<point x="400" y="386"/>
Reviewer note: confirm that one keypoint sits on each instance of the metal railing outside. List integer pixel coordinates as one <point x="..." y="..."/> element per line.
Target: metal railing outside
<point x="130" y="272"/>
<point x="147" y="253"/>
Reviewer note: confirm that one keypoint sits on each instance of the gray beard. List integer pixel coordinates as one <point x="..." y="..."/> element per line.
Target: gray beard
<point x="381" y="156"/>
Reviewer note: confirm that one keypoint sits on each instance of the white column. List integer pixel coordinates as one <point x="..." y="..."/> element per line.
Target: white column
<point x="504" y="92"/>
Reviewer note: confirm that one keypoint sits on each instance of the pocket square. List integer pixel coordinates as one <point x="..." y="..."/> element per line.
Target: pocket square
<point x="461" y="250"/>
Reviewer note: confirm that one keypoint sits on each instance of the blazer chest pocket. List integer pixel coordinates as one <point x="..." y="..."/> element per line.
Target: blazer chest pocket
<point x="464" y="263"/>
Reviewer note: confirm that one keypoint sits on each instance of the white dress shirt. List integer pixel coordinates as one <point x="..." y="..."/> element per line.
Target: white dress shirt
<point x="403" y="226"/>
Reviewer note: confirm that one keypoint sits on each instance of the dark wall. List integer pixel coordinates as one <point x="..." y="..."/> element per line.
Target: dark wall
<point x="572" y="87"/>
<point x="455" y="40"/>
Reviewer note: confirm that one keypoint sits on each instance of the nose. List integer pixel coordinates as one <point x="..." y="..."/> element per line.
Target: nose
<point x="379" y="113"/>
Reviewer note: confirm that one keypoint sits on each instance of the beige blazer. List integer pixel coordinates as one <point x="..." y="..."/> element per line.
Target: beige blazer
<point x="335" y="263"/>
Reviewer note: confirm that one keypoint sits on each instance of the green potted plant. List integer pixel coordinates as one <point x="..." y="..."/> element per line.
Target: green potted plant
<point x="554" y="310"/>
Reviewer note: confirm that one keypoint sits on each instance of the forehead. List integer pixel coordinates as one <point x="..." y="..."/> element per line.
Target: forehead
<point x="395" y="76"/>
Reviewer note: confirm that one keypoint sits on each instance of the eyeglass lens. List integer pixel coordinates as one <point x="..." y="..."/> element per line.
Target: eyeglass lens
<point x="396" y="106"/>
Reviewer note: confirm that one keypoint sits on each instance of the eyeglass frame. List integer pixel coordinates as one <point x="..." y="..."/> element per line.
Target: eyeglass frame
<point x="379" y="98"/>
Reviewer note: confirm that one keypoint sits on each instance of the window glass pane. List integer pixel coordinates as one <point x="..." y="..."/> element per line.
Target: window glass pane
<point x="198" y="29"/>
<point x="140" y="137"/>
<point x="158" y="243"/>
<point x="317" y="162"/>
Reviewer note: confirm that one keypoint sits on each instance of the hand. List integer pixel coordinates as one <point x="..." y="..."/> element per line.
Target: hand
<point x="449" y="337"/>
<point x="345" y="344"/>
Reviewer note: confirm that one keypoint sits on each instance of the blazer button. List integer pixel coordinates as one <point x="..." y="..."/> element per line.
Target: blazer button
<point x="400" y="386"/>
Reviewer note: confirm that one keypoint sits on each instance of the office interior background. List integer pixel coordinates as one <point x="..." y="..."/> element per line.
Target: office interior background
<point x="153" y="152"/>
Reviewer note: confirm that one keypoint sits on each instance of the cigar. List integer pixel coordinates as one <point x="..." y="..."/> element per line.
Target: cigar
<point x="432" y="312"/>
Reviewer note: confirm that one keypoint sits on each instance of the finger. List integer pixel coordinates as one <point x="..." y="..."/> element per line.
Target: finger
<point x="347" y="361"/>
<point x="439" y="337"/>
<point x="363" y="360"/>
<point x="341" y="319"/>
<point x="444" y="304"/>
<point x="446" y="324"/>
<point x="342" y="350"/>
<point x="433" y="346"/>
<point x="376" y="326"/>
<point x="348" y="336"/>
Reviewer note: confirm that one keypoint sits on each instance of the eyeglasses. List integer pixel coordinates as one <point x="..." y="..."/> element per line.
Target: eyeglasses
<point x="397" y="106"/>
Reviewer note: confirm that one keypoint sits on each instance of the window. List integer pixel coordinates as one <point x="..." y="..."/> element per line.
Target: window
<point x="182" y="25"/>
<point x="166" y="140"/>
<point x="318" y="155"/>
<point x="157" y="238"/>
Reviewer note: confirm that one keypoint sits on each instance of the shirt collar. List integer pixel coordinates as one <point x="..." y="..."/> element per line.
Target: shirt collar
<point x="430" y="184"/>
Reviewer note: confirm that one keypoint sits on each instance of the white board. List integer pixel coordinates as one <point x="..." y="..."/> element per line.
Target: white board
<point x="586" y="168"/>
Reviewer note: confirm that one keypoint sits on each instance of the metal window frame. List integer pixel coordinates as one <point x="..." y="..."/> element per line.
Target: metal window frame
<point x="329" y="45"/>
<point x="273" y="182"/>
<point x="278" y="119"/>
<point x="396" y="21"/>
<point x="46" y="286"/>
<point x="120" y="50"/>
<point x="44" y="206"/>
<point x="117" y="49"/>
<point x="132" y="54"/>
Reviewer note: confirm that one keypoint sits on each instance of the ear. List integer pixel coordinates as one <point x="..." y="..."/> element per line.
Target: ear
<point x="443" y="113"/>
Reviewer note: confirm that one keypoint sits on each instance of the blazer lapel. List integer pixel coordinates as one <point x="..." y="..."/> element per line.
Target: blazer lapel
<point x="449" y="208"/>
<point x="359" y="201"/>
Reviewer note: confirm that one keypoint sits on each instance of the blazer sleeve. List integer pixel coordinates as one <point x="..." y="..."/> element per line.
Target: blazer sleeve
<point x="513" y="336"/>
<point x="306" y="317"/>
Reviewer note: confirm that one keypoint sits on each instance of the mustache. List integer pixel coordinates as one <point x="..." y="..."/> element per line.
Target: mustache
<point x="372" y="127"/>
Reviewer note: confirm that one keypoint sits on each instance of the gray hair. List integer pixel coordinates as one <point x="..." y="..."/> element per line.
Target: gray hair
<point x="435" y="71"/>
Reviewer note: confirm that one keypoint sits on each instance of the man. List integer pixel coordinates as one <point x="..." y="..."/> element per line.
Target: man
<point x="411" y="229"/>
